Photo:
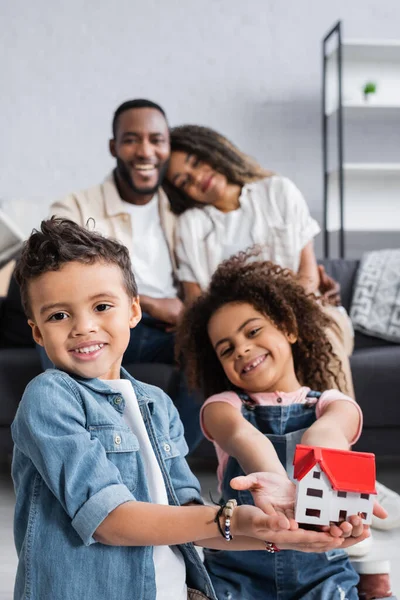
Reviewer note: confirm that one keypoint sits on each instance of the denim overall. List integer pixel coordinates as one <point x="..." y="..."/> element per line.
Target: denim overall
<point x="285" y="575"/>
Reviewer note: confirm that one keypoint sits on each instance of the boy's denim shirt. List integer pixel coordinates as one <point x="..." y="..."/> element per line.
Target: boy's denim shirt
<point x="75" y="460"/>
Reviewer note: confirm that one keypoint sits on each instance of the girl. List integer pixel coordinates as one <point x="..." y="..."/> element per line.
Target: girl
<point x="256" y="344"/>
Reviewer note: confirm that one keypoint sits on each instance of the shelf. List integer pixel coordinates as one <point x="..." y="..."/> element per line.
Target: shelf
<point x="362" y="50"/>
<point x="370" y="190"/>
<point x="363" y="168"/>
<point x="371" y="197"/>
<point x="377" y="61"/>
<point x="365" y="109"/>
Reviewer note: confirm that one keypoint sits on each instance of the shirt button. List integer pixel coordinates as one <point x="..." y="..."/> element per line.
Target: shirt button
<point x="279" y="400"/>
<point x="118" y="400"/>
<point x="167" y="447"/>
<point x="117" y="440"/>
<point x="125" y="218"/>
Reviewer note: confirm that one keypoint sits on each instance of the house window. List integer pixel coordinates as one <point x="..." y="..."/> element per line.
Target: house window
<point x="342" y="515"/>
<point x="314" y="492"/>
<point x="363" y="515"/>
<point x="342" y="494"/>
<point x="317" y="475"/>
<point x="364" y="496"/>
<point x="313" y="512"/>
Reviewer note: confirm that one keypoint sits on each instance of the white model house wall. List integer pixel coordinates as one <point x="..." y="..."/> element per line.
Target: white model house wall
<point x="315" y="479"/>
<point x="314" y="493"/>
<point x="353" y="504"/>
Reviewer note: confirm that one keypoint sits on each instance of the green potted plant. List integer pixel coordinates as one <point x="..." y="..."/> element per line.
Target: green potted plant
<point x="368" y="89"/>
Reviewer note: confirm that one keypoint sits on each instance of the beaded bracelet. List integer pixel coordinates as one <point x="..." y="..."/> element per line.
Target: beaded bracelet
<point x="271" y="547"/>
<point x="226" y="510"/>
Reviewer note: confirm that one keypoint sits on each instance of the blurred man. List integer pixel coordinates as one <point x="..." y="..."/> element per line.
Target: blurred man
<point x="131" y="206"/>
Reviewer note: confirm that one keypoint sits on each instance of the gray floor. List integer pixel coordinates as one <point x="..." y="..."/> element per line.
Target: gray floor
<point x="386" y="544"/>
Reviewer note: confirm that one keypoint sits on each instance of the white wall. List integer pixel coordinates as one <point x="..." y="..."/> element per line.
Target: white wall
<point x="250" y="68"/>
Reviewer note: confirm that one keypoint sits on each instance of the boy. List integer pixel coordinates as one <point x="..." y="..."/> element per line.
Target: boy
<point x="99" y="457"/>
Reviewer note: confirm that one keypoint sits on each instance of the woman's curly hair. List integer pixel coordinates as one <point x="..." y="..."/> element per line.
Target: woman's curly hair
<point x="217" y="151"/>
<point x="274" y="292"/>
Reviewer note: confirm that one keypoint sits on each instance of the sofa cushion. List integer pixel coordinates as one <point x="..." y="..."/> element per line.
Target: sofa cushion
<point x="375" y="308"/>
<point x="14" y="329"/>
<point x="17" y="367"/>
<point x="363" y="341"/>
<point x="376" y="383"/>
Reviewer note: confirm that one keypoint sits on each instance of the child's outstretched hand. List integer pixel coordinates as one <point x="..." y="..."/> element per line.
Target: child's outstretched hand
<point x="354" y="525"/>
<point x="274" y="494"/>
<point x="250" y="521"/>
<point x="271" y="492"/>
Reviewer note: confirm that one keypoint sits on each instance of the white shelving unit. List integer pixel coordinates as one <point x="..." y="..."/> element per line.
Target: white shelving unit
<point x="373" y="191"/>
<point x="362" y="196"/>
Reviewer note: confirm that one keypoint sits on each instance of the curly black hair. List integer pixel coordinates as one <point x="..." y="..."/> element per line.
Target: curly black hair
<point x="60" y="241"/>
<point x="274" y="292"/>
<point x="216" y="150"/>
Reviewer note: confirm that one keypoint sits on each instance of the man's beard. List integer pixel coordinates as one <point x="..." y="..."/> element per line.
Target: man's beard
<point x="125" y="175"/>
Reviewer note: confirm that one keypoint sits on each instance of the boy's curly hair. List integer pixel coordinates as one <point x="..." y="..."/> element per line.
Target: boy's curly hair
<point x="274" y="292"/>
<point x="60" y="241"/>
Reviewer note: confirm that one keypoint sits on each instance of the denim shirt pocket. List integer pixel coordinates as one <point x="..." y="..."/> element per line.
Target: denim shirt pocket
<point x="122" y="449"/>
<point x="168" y="449"/>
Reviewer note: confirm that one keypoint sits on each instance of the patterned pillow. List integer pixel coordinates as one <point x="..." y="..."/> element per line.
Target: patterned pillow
<point x="375" y="307"/>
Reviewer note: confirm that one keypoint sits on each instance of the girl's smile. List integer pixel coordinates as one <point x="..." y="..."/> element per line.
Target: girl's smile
<point x="254" y="364"/>
<point x="255" y="355"/>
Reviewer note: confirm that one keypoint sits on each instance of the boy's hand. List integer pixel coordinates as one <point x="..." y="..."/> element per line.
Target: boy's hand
<point x="251" y="521"/>
<point x="271" y="492"/>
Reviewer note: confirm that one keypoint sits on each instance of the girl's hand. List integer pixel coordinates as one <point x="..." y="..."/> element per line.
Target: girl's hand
<point x="354" y="526"/>
<point x="271" y="492"/>
<point x="379" y="511"/>
<point x="275" y="494"/>
<point x="250" y="521"/>
<point x="311" y="541"/>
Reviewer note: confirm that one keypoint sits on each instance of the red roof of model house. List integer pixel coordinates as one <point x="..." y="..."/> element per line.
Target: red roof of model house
<point x="347" y="471"/>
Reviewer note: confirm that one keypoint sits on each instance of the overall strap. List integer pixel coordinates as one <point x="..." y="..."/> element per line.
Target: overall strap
<point x="312" y="394"/>
<point x="312" y="398"/>
<point x="246" y="398"/>
<point x="247" y="402"/>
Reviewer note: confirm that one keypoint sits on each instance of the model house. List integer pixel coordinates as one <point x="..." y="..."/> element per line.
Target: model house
<point x="333" y="484"/>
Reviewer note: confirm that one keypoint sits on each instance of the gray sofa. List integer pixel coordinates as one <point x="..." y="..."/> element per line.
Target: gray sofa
<point x="375" y="365"/>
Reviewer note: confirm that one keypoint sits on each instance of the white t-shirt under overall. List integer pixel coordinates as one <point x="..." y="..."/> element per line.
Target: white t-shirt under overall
<point x="150" y="257"/>
<point x="169" y="564"/>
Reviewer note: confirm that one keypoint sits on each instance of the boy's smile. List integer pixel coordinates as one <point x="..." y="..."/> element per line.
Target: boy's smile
<point x="82" y="315"/>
